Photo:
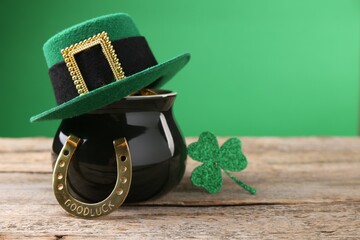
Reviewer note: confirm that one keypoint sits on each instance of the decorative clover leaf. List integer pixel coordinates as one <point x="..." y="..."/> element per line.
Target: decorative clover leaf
<point x="228" y="158"/>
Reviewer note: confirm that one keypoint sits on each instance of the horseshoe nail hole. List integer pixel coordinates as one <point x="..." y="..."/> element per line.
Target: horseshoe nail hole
<point x="123" y="158"/>
<point x="123" y="179"/>
<point x="60" y="186"/>
<point x="66" y="152"/>
<point x="60" y="175"/>
<point x="61" y="163"/>
<point x="119" y="191"/>
<point x="123" y="169"/>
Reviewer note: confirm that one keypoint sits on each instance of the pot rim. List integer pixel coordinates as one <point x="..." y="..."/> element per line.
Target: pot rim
<point x="161" y="94"/>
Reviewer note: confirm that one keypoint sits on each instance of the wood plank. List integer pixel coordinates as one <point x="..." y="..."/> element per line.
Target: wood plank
<point x="292" y="151"/>
<point x="300" y="221"/>
<point x="250" y="144"/>
<point x="282" y="185"/>
<point x="25" y="144"/>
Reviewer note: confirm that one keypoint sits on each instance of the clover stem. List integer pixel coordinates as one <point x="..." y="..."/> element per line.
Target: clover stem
<point x="241" y="184"/>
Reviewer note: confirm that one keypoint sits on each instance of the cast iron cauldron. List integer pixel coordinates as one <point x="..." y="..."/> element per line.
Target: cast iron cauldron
<point x="157" y="148"/>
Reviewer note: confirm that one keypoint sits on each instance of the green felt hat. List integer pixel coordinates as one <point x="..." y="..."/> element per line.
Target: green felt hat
<point x="100" y="61"/>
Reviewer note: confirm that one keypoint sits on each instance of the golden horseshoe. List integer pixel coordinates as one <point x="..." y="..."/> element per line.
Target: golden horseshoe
<point x="92" y="210"/>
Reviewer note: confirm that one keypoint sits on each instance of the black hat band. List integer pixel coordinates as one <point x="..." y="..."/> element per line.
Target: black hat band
<point x="134" y="55"/>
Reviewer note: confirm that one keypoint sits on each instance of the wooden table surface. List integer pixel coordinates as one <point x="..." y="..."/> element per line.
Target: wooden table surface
<point x="308" y="188"/>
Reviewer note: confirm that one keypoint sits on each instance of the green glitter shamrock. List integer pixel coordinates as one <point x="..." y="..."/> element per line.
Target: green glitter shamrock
<point x="228" y="158"/>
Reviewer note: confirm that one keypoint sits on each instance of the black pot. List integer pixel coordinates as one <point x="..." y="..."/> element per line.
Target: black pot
<point x="157" y="148"/>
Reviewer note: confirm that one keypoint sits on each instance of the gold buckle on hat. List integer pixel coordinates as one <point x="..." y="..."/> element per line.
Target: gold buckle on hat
<point x="108" y="50"/>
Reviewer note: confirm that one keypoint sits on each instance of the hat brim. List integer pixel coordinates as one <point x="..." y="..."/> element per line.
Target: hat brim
<point x="154" y="77"/>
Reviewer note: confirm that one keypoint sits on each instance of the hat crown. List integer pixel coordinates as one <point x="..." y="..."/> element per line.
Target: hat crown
<point x="117" y="26"/>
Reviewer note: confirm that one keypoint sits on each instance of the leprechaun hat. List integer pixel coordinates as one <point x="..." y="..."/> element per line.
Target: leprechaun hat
<point x="100" y="61"/>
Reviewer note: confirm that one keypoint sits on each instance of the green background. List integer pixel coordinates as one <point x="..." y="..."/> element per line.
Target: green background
<point x="280" y="67"/>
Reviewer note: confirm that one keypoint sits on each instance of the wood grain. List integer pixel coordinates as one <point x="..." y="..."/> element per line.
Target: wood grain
<point x="308" y="188"/>
<point x="299" y="221"/>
